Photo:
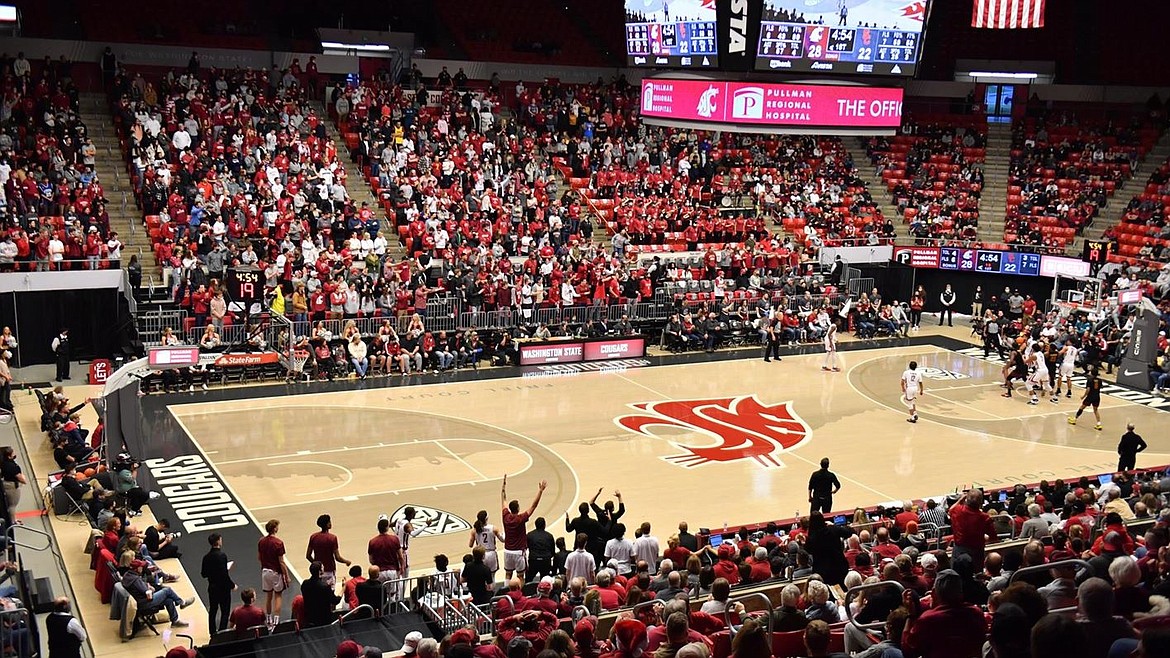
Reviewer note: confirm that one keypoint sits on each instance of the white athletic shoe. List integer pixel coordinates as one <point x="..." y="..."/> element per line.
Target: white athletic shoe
<point x="1034" y="401"/>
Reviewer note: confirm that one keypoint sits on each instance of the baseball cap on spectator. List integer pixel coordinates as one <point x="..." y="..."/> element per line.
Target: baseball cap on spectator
<point x="546" y="584"/>
<point x="410" y="642"/>
<point x="949" y="585"/>
<point x="1112" y="542"/>
<point x="349" y="649"/>
<point x="928" y="560"/>
<point x="463" y="636"/>
<point x="583" y="631"/>
<point x="726" y="551"/>
<point x="181" y="652"/>
<point x="1040" y="499"/>
<point x="911" y="527"/>
<point x="630" y="634"/>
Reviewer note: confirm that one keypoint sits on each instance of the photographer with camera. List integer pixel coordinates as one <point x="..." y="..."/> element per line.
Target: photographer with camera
<point x="160" y="541"/>
<point x="126" y="484"/>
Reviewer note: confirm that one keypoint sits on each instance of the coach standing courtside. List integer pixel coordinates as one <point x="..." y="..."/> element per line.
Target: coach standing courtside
<point x="1131" y="444"/>
<point x="219" y="584"/>
<point x="822" y="484"/>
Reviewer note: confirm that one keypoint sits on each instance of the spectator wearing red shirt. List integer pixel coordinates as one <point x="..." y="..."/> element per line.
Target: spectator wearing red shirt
<point x="761" y="566"/>
<point x="971" y="527"/>
<point x="247" y="615"/>
<point x="726" y="567"/>
<point x="883" y="548"/>
<point x="905" y="516"/>
<point x="350" y="588"/>
<point x="273" y="572"/>
<point x="949" y="628"/>
<point x="323" y="548"/>
<point x="516" y="531"/>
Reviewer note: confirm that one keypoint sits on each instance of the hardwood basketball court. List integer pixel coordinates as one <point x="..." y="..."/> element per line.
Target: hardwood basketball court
<point x="717" y="443"/>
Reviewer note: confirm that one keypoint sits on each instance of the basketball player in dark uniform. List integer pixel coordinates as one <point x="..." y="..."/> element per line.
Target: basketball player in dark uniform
<point x="1015" y="368"/>
<point x="1092" y="399"/>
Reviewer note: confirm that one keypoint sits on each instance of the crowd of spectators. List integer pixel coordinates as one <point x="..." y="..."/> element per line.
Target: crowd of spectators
<point x="934" y="172"/>
<point x="52" y="205"/>
<point x="1063" y="171"/>
<point x="1143" y="235"/>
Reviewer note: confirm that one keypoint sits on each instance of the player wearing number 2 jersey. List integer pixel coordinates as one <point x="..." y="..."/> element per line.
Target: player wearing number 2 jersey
<point x="911" y="389"/>
<point x="485" y="536"/>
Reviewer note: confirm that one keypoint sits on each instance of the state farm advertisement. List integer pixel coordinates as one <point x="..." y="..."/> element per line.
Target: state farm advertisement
<point x="772" y="104"/>
<point x="531" y="355"/>
<point x="620" y="348"/>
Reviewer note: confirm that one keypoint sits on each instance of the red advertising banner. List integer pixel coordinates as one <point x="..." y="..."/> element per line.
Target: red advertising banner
<point x="620" y="348"/>
<point x="917" y="256"/>
<point x="772" y="104"/>
<point x="99" y="371"/>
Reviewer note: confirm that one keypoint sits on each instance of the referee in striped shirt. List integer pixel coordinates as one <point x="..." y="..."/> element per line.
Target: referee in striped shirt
<point x="933" y="514"/>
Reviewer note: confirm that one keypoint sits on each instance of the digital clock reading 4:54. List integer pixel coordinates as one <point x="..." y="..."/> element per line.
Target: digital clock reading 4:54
<point x="245" y="285"/>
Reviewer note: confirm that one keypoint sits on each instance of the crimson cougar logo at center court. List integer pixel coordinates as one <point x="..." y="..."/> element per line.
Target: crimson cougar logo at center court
<point x="744" y="428"/>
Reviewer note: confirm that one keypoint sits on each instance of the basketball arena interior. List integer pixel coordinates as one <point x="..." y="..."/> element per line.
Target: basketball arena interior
<point x="563" y="329"/>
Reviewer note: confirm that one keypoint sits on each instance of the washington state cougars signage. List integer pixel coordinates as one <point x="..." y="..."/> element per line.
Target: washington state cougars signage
<point x="741" y="428"/>
<point x="771" y="104"/>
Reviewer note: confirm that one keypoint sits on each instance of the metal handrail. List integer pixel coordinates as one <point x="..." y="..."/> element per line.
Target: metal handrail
<point x="1043" y="568"/>
<point x="10" y="532"/>
<point x="854" y="591"/>
<point x="365" y="606"/>
<point x="1011" y="524"/>
<point x="732" y="629"/>
<point x="648" y="604"/>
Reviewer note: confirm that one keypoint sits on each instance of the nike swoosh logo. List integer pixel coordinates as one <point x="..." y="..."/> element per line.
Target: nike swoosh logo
<point x="1131" y="373"/>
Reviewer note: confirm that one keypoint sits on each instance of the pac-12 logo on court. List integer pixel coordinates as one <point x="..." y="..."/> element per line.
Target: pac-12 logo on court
<point x="742" y="427"/>
<point x="437" y="521"/>
<point x="939" y="373"/>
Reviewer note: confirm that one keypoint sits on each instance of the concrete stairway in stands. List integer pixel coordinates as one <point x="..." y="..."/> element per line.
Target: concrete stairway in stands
<point x="876" y="186"/>
<point x="358" y="187"/>
<point x="1111" y="214"/>
<point x="993" y="199"/>
<point x="125" y="217"/>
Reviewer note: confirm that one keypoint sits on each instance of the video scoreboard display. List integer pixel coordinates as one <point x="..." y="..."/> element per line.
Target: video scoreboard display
<point x="671" y="33"/>
<point x="989" y="261"/>
<point x="882" y="37"/>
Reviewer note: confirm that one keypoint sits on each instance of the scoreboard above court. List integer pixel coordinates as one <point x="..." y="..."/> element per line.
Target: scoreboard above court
<point x="799" y="47"/>
<point x="962" y="259"/>
<point x="879" y="37"/>
<point x="672" y="33"/>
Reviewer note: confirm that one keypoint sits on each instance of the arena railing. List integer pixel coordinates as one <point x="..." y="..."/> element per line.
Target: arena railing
<point x="854" y="592"/>
<point x="989" y="493"/>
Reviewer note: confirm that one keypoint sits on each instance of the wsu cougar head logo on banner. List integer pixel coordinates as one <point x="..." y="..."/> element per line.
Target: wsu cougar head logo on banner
<point x="741" y="427"/>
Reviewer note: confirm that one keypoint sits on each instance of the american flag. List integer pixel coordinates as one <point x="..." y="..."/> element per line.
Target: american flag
<point x="1008" y="14"/>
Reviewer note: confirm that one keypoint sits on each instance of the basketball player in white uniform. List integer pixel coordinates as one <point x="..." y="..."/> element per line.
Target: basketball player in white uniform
<point x="1068" y="363"/>
<point x="485" y="535"/>
<point x="406" y="527"/>
<point x="831" y="349"/>
<point x="911" y="389"/>
<point x="1039" y="376"/>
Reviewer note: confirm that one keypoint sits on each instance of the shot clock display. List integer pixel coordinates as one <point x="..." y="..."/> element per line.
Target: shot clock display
<point x="882" y="37"/>
<point x="671" y="33"/>
<point x="245" y="285"/>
